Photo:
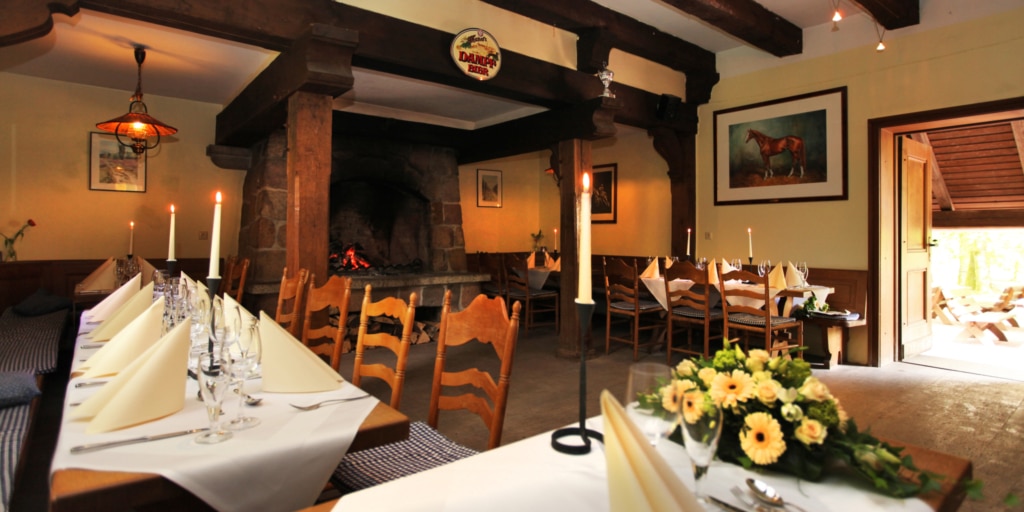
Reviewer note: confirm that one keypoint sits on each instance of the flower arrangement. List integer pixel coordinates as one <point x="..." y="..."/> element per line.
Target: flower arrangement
<point x="777" y="416"/>
<point x="537" y="237"/>
<point x="9" y="253"/>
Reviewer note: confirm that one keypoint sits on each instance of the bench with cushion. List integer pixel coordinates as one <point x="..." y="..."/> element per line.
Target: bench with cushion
<point x="29" y="344"/>
<point x="851" y="294"/>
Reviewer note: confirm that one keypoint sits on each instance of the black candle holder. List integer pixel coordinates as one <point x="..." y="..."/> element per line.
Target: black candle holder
<point x="172" y="268"/>
<point x="585" y="311"/>
<point x="750" y="259"/>
<point x="212" y="285"/>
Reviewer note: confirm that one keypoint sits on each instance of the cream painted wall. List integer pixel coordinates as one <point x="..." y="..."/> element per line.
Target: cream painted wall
<point x="967" y="63"/>
<point x="505" y="229"/>
<point x="44" y="161"/>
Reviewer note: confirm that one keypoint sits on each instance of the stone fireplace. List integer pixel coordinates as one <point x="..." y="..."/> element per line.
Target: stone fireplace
<point x="398" y="204"/>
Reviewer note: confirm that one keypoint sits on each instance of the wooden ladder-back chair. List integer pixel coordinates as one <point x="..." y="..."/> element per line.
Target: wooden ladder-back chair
<point x="290" y="299"/>
<point x="324" y="325"/>
<point x="777" y="332"/>
<point x="233" y="283"/>
<point x="535" y="302"/>
<point x="397" y="310"/>
<point x="692" y="308"/>
<point x="493" y="263"/>
<point x="487" y="321"/>
<point x="627" y="307"/>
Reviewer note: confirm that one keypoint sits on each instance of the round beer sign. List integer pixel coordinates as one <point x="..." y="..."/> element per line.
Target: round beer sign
<point x="476" y="53"/>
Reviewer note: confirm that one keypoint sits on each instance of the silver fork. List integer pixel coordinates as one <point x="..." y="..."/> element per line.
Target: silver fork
<point x="313" y="407"/>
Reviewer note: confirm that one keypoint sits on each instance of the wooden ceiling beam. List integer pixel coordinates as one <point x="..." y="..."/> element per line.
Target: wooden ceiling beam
<point x="749" y="21"/>
<point x="25" y="20"/>
<point x="319" y="62"/>
<point x="893" y="14"/>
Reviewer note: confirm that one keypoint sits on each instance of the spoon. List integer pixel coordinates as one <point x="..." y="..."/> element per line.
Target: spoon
<point x="249" y="399"/>
<point x="767" y="494"/>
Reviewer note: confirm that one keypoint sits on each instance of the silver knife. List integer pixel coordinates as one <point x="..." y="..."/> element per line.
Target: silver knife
<point x="724" y="505"/>
<point x="144" y="439"/>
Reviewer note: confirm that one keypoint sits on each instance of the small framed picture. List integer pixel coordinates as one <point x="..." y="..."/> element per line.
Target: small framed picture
<point x="115" y="167"/>
<point x="605" y="197"/>
<point x="488" y="188"/>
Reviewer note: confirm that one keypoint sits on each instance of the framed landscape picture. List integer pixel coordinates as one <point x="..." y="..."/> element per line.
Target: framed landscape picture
<point x="604" y="200"/>
<point x="488" y="188"/>
<point x="785" y="150"/>
<point x="113" y="166"/>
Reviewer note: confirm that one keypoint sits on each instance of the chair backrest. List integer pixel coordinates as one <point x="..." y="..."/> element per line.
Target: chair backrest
<point x="290" y="299"/>
<point x="697" y="296"/>
<point x="621" y="280"/>
<point x="759" y="293"/>
<point x="517" y="273"/>
<point x="396" y="309"/>
<point x="325" y="322"/>
<point x="233" y="283"/>
<point x="484" y="321"/>
<point x="494" y="264"/>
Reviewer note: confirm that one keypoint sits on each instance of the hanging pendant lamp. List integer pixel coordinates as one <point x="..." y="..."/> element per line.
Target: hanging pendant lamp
<point x="137" y="126"/>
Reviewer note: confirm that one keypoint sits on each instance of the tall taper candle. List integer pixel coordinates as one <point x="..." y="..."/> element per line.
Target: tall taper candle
<point x="556" y="238"/>
<point x="687" y="241"/>
<point x="586" y="294"/>
<point x="750" y="244"/>
<point x="215" y="241"/>
<point x="170" y="240"/>
<point x="131" y="238"/>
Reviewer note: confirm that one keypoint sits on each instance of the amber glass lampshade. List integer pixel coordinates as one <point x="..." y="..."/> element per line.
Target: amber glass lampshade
<point x="137" y="126"/>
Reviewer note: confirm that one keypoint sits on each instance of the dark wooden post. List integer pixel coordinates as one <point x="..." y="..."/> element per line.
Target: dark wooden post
<point x="309" y="176"/>
<point x="573" y="158"/>
<point x="677" y="147"/>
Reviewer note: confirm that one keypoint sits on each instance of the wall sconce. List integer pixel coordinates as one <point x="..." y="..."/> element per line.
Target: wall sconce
<point x="137" y="125"/>
<point x="550" y="171"/>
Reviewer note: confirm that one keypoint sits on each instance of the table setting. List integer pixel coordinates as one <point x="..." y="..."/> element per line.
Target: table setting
<point x="135" y="391"/>
<point x="538" y="274"/>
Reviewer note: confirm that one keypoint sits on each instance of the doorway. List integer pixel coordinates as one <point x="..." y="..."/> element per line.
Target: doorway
<point x="888" y="288"/>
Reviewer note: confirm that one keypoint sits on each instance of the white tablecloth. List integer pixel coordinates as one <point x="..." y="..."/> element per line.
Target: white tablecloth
<point x="282" y="464"/>
<point x="529" y="475"/>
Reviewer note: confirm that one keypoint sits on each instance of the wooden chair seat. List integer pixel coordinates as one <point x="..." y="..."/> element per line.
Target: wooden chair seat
<point x="776" y="333"/>
<point x="691" y="309"/>
<point x="628" y="307"/>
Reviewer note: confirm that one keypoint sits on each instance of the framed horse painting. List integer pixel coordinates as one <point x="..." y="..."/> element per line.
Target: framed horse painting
<point x="785" y="150"/>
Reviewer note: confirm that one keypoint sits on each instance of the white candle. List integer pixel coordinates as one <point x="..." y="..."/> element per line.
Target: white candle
<point x="556" y="239"/>
<point x="687" y="241"/>
<point x="170" y="241"/>
<point x="131" y="238"/>
<point x="586" y="294"/>
<point x="215" y="241"/>
<point x="750" y="245"/>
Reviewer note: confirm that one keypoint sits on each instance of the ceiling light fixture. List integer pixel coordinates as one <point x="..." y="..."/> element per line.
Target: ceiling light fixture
<point x="881" y="34"/>
<point x="836" y="16"/>
<point x="137" y="125"/>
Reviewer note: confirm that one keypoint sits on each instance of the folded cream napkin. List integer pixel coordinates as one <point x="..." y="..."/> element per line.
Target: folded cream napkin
<point x="132" y="308"/>
<point x="726" y="267"/>
<point x="115" y="300"/>
<point x="793" y="277"/>
<point x="548" y="260"/>
<point x="531" y="260"/>
<point x="146" y="269"/>
<point x="713" y="271"/>
<point x="668" y="262"/>
<point x="136" y="337"/>
<point x="151" y="387"/>
<point x="651" y="272"/>
<point x="191" y="283"/>
<point x="639" y="479"/>
<point x="776" y="278"/>
<point x="556" y="265"/>
<point x="290" y="367"/>
<point x="100" y="279"/>
<point x="233" y="306"/>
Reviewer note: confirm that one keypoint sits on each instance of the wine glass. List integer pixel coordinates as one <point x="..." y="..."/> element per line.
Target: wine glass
<point x="643" y="400"/>
<point x="764" y="267"/>
<point x="804" y="271"/>
<point x="737" y="264"/>
<point x="702" y="263"/>
<point x="214" y="381"/>
<point x="701" y="422"/>
<point x="242" y="357"/>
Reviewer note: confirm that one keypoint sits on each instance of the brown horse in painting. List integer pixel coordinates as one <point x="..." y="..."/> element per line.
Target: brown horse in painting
<point x="770" y="147"/>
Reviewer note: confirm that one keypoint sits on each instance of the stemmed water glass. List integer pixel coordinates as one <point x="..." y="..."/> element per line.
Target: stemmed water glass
<point x="242" y="357"/>
<point x="643" y="391"/>
<point x="764" y="267"/>
<point x="214" y="381"/>
<point x="702" y="263"/>
<point x="701" y="422"/>
<point x="804" y="272"/>
<point x="736" y="264"/>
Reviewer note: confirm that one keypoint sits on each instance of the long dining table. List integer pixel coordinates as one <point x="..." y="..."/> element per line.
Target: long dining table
<point x="172" y="474"/>
<point x="530" y="475"/>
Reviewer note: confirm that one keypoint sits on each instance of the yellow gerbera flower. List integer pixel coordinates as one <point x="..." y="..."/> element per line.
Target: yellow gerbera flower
<point x="672" y="394"/>
<point x="727" y="389"/>
<point x="761" y="438"/>
<point x="693" y="405"/>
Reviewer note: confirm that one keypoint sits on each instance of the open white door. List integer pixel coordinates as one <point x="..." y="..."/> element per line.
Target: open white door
<point x="915" y="247"/>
